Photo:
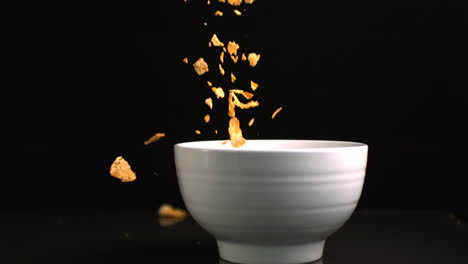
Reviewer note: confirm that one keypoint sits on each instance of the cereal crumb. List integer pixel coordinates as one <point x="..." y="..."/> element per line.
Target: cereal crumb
<point x="253" y="85"/>
<point x="207" y="118"/>
<point x="154" y="138"/>
<point x="234" y="2"/>
<point x="168" y="215"/>
<point x="222" y="1"/>
<point x="209" y="83"/>
<point x="237" y="12"/>
<point x="221" y="70"/>
<point x="218" y="91"/>
<point x="216" y="42"/>
<point x="216" y="132"/>
<point x="235" y="133"/>
<point x="209" y="102"/>
<point x="276" y="112"/>
<point x="185" y="60"/>
<point x="200" y="66"/>
<point x="218" y="13"/>
<point x="197" y="132"/>
<point x="121" y="170"/>
<point x="233" y="78"/>
<point x="249" y="1"/>
<point x="221" y="57"/>
<point x="253" y="59"/>
<point x="243" y="57"/>
<point x="251" y="122"/>
<point x="205" y="24"/>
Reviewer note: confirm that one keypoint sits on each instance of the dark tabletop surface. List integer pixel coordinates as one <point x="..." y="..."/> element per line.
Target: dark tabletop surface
<point x="138" y="237"/>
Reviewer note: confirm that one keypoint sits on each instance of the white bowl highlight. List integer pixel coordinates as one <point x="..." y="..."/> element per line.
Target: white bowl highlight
<point x="271" y="201"/>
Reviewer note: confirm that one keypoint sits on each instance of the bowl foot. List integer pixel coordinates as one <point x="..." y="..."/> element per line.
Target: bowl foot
<point x="271" y="254"/>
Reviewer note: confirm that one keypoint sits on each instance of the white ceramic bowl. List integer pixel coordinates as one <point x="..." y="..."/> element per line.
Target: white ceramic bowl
<point x="271" y="201"/>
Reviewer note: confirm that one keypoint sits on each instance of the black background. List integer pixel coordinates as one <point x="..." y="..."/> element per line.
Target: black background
<point x="89" y="81"/>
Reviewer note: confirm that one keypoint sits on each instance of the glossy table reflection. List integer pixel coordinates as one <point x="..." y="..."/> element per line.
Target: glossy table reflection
<point x="137" y="237"/>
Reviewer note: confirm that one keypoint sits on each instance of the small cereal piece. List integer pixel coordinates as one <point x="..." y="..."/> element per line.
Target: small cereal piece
<point x="221" y="70"/>
<point x="154" y="138"/>
<point x="233" y="78"/>
<point x="208" y="2"/>
<point x="216" y="132"/>
<point x="237" y="12"/>
<point x="251" y="122"/>
<point x="197" y="132"/>
<point x="216" y="42"/>
<point x="247" y="95"/>
<point x="221" y="57"/>
<point x="207" y="118"/>
<point x="244" y="58"/>
<point x="185" y="60"/>
<point x="121" y="170"/>
<point x="222" y="1"/>
<point x="224" y="142"/>
<point x="218" y="13"/>
<point x="219" y="92"/>
<point x="232" y="48"/>
<point x="231" y="105"/>
<point x="209" y="102"/>
<point x="253" y="85"/>
<point x="276" y="112"/>
<point x="205" y="24"/>
<point x="168" y="211"/>
<point x="209" y="83"/>
<point x="200" y="66"/>
<point x="249" y="1"/>
<point x="234" y="2"/>
<point x="253" y="59"/>
<point x="235" y="133"/>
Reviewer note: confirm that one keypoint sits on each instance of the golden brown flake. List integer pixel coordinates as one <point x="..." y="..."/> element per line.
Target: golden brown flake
<point x="251" y="122"/>
<point x="185" y="60"/>
<point x="200" y="66"/>
<point x="231" y="105"/>
<point x="241" y="105"/>
<point x="237" y="12"/>
<point x="247" y="95"/>
<point x="224" y="142"/>
<point x="253" y="59"/>
<point x="233" y="78"/>
<point x="253" y="85"/>
<point x="234" y="2"/>
<point x="276" y="112"/>
<point x="218" y="13"/>
<point x="121" y="170"/>
<point x="235" y="133"/>
<point x="209" y="102"/>
<point x="232" y="48"/>
<point x="197" y="132"/>
<point x="154" y="138"/>
<point x="209" y="83"/>
<point x="207" y="118"/>
<point x="219" y="92"/>
<point x="208" y="2"/>
<point x="169" y="211"/>
<point x="205" y="24"/>
<point x="244" y="58"/>
<point x="216" y="42"/>
<point x="249" y="1"/>
<point x="222" y="1"/>
<point x="221" y="70"/>
<point x="221" y="57"/>
<point x="216" y="132"/>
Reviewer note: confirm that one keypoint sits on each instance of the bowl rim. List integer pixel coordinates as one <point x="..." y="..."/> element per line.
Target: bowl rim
<point x="216" y="145"/>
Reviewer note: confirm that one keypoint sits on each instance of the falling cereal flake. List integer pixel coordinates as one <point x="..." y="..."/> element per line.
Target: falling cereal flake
<point x="249" y="1"/>
<point x="205" y="24"/>
<point x="233" y="78"/>
<point x="216" y="42"/>
<point x="253" y="85"/>
<point x="209" y="102"/>
<point x="121" y="170"/>
<point x="237" y="12"/>
<point x="185" y="60"/>
<point x="253" y="59"/>
<point x="232" y="48"/>
<point x="241" y="105"/>
<point x="221" y="57"/>
<point x="208" y="2"/>
<point x="276" y="112"/>
<point x="234" y="2"/>
<point x="221" y="70"/>
<point x="247" y="95"/>
<point x="207" y="118"/>
<point x="197" y="132"/>
<point x="222" y="1"/>
<point x="244" y="58"/>
<point x="235" y="133"/>
<point x="154" y="138"/>
<point x="216" y="132"/>
<point x="200" y="66"/>
<point x="209" y="83"/>
<point x="218" y="92"/>
<point x="251" y="122"/>
<point x="218" y="13"/>
<point x="231" y="105"/>
<point x="167" y="210"/>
